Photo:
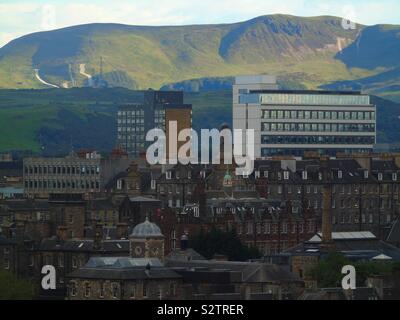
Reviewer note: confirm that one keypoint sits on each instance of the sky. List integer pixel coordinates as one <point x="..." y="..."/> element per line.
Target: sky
<point x="20" y="17"/>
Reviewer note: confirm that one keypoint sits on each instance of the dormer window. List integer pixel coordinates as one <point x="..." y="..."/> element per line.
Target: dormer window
<point x="394" y="176"/>
<point x="203" y="174"/>
<point x="380" y="176"/>
<point x="366" y="173"/>
<point x="304" y="175"/>
<point x="168" y="175"/>
<point x="340" y="174"/>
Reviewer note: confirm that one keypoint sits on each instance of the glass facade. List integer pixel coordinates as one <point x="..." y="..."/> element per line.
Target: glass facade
<point x="317" y="115"/>
<point x="323" y="121"/>
<point x="315" y="139"/>
<point x="317" y="127"/>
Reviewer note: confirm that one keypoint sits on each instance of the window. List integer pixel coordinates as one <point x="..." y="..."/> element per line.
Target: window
<point x="340" y="174"/>
<point x="168" y="175"/>
<point x="74" y="262"/>
<point x="249" y="228"/>
<point x="133" y="292"/>
<point x="60" y="260"/>
<point x="87" y="289"/>
<point x="6" y="250"/>
<point x="394" y="176"/>
<point x="304" y="175"/>
<point x="172" y="289"/>
<point x="73" y="289"/>
<point x="284" y="228"/>
<point x="267" y="227"/>
<point x="114" y="290"/>
<point x="144" y="290"/>
<point x="380" y="176"/>
<point x="286" y="175"/>
<point x="102" y="289"/>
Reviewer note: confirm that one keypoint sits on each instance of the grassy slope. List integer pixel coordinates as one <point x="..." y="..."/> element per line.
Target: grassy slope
<point x="154" y="56"/>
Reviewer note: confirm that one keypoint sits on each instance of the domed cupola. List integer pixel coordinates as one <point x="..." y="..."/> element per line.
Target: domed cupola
<point x="145" y="230"/>
<point x="147" y="241"/>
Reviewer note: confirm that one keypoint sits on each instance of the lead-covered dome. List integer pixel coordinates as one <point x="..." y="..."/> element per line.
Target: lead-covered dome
<point x="146" y="229"/>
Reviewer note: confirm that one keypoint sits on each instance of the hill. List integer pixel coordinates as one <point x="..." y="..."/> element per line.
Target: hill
<point x="142" y="57"/>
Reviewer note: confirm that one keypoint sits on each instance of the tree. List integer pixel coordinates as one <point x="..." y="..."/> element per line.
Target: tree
<point x="12" y="288"/>
<point x="220" y="242"/>
<point x="327" y="272"/>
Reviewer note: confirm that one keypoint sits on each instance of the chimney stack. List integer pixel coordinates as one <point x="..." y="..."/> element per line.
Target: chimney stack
<point x="327" y="242"/>
<point x="62" y="233"/>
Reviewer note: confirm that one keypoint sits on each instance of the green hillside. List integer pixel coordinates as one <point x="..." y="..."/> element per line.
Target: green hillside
<point x="53" y="121"/>
<point x="143" y="57"/>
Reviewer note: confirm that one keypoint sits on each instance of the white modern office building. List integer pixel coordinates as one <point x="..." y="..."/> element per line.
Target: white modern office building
<point x="291" y="122"/>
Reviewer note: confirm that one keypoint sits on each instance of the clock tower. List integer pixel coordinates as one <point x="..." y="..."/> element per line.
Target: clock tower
<point x="147" y="241"/>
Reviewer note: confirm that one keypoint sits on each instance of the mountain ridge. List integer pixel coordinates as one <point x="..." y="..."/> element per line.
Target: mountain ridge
<point x="152" y="56"/>
<point x="314" y="51"/>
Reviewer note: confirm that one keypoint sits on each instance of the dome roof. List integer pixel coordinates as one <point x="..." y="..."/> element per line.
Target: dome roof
<point x="146" y="229"/>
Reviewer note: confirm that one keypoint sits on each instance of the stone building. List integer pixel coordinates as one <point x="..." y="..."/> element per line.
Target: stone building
<point x="80" y="173"/>
<point x="138" y="277"/>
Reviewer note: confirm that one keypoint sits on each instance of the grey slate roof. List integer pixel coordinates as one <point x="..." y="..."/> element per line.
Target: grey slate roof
<point x="124" y="268"/>
<point x="254" y="272"/>
<point x="83" y="245"/>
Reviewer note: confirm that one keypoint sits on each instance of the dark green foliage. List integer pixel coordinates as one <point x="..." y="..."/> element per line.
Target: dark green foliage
<point x="328" y="274"/>
<point x="220" y="242"/>
<point x="12" y="288"/>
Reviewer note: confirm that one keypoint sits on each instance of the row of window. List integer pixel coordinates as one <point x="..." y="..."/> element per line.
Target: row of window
<point x="62" y="184"/>
<point x="273" y="228"/>
<point x="295" y="139"/>
<point x="365" y="219"/>
<point x="342" y="189"/>
<point x="115" y="290"/>
<point x="299" y="152"/>
<point x="139" y="129"/>
<point x="131" y="121"/>
<point x="132" y="113"/>
<point x="318" y="127"/>
<point x="318" y="115"/>
<point x="78" y="170"/>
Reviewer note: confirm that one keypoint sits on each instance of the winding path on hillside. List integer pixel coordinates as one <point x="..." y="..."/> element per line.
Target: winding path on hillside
<point x="42" y="81"/>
